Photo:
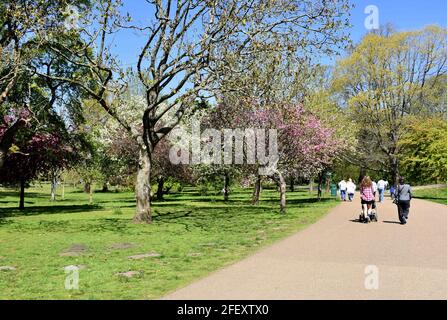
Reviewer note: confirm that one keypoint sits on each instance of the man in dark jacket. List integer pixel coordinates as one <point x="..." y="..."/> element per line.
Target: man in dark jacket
<point x="403" y="198"/>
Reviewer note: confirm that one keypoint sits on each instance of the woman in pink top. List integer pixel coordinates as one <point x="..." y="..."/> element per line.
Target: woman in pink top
<point x="367" y="197"/>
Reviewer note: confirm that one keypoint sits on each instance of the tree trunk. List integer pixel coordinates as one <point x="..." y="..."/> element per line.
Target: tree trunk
<point x="160" y="187"/>
<point x="53" y="189"/>
<point x="292" y="184"/>
<point x="395" y="170"/>
<point x="320" y="186"/>
<point x="90" y="194"/>
<point x="282" y="192"/>
<point x="362" y="174"/>
<point x="143" y="189"/>
<point x="257" y="190"/>
<point x="22" y="194"/>
<point x="87" y="187"/>
<point x="226" y="187"/>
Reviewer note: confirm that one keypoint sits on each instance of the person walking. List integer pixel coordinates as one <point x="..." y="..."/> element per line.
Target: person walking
<point x="367" y="197"/>
<point x="381" y="187"/>
<point x="342" y="185"/>
<point x="374" y="185"/>
<point x="350" y="189"/>
<point x="403" y="199"/>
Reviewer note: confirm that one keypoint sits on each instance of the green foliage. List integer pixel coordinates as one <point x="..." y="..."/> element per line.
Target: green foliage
<point x="383" y="81"/>
<point x="424" y="150"/>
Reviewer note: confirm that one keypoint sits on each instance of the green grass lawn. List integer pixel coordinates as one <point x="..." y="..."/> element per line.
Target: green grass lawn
<point x="436" y="195"/>
<point x="192" y="234"/>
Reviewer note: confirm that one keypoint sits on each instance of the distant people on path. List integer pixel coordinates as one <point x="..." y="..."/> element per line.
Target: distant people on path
<point x="403" y="199"/>
<point x="342" y="185"/>
<point x="350" y="189"/>
<point x="381" y="187"/>
<point x="374" y="185"/>
<point x="367" y="197"/>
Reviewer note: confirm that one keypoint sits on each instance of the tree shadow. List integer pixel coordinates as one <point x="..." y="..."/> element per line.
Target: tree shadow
<point x="16" y="194"/>
<point x="14" y="212"/>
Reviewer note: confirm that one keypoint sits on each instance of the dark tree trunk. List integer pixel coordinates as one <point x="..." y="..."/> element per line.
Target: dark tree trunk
<point x="320" y="186"/>
<point x="87" y="187"/>
<point x="143" y="189"/>
<point x="292" y="184"/>
<point x="226" y="187"/>
<point x="22" y="194"/>
<point x="257" y="190"/>
<point x="160" y="187"/>
<point x="395" y="170"/>
<point x="362" y="174"/>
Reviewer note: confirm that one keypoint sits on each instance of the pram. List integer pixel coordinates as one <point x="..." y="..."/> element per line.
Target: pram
<point x="373" y="216"/>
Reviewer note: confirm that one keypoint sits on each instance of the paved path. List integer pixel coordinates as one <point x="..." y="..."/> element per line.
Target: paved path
<point x="328" y="260"/>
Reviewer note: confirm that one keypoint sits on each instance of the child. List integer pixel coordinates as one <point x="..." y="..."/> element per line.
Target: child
<point x="392" y="192"/>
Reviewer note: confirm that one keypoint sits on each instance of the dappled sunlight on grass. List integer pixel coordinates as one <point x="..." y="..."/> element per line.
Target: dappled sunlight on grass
<point x="191" y="235"/>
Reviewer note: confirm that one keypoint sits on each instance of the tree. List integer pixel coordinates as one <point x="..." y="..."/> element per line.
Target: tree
<point x="424" y="150"/>
<point x="185" y="56"/>
<point x="24" y="25"/>
<point x="305" y="146"/>
<point x="385" y="79"/>
<point x="38" y="155"/>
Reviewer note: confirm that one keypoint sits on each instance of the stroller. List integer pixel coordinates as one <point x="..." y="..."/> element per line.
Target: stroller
<point x="373" y="216"/>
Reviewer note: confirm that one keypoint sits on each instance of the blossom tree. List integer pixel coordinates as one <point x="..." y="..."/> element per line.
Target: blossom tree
<point x="187" y="47"/>
<point x="305" y="145"/>
<point x="33" y="156"/>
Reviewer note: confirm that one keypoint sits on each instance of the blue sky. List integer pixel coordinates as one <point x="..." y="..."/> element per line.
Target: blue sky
<point x="403" y="14"/>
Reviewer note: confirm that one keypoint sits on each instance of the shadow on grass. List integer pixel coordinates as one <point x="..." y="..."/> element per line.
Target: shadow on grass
<point x="15" y="194"/>
<point x="14" y="212"/>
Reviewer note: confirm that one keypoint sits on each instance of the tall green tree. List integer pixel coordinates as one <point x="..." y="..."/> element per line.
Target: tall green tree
<point x="386" y="78"/>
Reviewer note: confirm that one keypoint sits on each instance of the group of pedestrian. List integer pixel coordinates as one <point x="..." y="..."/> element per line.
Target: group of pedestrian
<point x="347" y="190"/>
<point x="401" y="195"/>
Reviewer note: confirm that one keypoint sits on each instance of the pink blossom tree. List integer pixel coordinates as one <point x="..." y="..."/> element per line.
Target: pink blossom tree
<point x="31" y="154"/>
<point x="306" y="147"/>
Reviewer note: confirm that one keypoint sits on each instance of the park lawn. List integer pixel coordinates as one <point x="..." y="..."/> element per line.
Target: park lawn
<point x="438" y="195"/>
<point x="194" y="235"/>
